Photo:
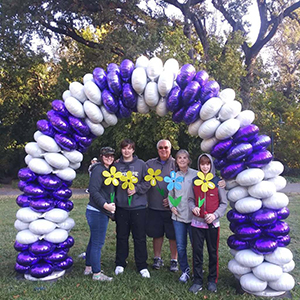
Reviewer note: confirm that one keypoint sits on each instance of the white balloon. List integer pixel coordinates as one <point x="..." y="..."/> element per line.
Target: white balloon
<point x="194" y="127"/>
<point x="172" y="65"/>
<point x="74" y="107"/>
<point x="142" y="62"/>
<point x="210" y="108"/>
<point x="142" y="106"/>
<point x="288" y="267"/>
<point x="92" y="92"/>
<point x="56" y="215"/>
<point x="139" y="80"/>
<point x="39" y="166"/>
<point x="279" y="182"/>
<point x="267" y="271"/>
<point x="67" y="224"/>
<point x="208" y="128"/>
<point x="263" y="189"/>
<point x="248" y="205"/>
<point x="27" y="215"/>
<point x="230" y="184"/>
<point x="93" y="112"/>
<point x="227" y="129"/>
<point x="77" y="91"/>
<point x="280" y="256"/>
<point x="26" y="237"/>
<point x="65" y="174"/>
<point x="230" y="110"/>
<point x="88" y="77"/>
<point x="96" y="129"/>
<point x="37" y="134"/>
<point x="252" y="284"/>
<point x="276" y="201"/>
<point x="207" y="144"/>
<point x="227" y="95"/>
<point x="250" y="176"/>
<point x="48" y="144"/>
<point x="75" y="166"/>
<point x="236" y="268"/>
<point x="33" y="149"/>
<point x="109" y="119"/>
<point x="19" y="225"/>
<point x="151" y="94"/>
<point x="66" y="94"/>
<point x="273" y="169"/>
<point x="161" y="108"/>
<point x="56" y="236"/>
<point x="286" y="282"/>
<point x="73" y="156"/>
<point x="27" y="159"/>
<point x="248" y="258"/>
<point x="246" y="117"/>
<point x="56" y="160"/>
<point x="41" y="226"/>
<point x="154" y="68"/>
<point x="165" y="82"/>
<point x="237" y="193"/>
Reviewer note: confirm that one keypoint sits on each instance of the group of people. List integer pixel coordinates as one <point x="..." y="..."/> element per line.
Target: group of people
<point x="145" y="209"/>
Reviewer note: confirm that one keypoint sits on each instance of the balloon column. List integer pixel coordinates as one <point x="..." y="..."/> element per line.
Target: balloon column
<point x="261" y="259"/>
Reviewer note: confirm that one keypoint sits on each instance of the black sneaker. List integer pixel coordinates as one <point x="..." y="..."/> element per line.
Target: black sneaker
<point x="195" y="288"/>
<point x="157" y="263"/>
<point x="212" y="287"/>
<point x="173" y="265"/>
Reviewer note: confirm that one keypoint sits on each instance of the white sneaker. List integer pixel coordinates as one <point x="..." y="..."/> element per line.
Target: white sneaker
<point x="119" y="270"/>
<point x="145" y="273"/>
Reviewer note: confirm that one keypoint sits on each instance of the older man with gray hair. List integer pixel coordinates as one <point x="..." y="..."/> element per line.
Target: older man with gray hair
<point x="159" y="222"/>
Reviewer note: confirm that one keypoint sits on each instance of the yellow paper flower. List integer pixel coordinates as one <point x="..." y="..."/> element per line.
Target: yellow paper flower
<point x="153" y="176"/>
<point x="204" y="181"/>
<point x="128" y="181"/>
<point x="112" y="176"/>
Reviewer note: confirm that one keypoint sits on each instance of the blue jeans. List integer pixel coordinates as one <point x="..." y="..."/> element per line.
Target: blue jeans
<point x="181" y="232"/>
<point x="98" y="222"/>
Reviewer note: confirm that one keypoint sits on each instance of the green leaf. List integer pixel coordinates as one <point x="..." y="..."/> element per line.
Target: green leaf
<point x="161" y="191"/>
<point x="175" y="202"/>
<point x="200" y="202"/>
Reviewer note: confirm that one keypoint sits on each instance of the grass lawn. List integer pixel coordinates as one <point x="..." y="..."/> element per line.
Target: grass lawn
<point x="130" y="285"/>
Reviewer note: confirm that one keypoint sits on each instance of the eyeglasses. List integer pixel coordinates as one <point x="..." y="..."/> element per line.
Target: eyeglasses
<point x="163" y="147"/>
<point x="109" y="156"/>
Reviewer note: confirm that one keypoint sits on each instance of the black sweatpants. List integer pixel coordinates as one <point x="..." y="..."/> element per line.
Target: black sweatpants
<point x="134" y="221"/>
<point x="211" y="236"/>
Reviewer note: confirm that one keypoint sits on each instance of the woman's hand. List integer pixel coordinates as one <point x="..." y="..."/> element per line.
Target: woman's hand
<point x="209" y="218"/>
<point x="110" y="207"/>
<point x="196" y="211"/>
<point x="222" y="183"/>
<point x="174" y="211"/>
<point x="131" y="192"/>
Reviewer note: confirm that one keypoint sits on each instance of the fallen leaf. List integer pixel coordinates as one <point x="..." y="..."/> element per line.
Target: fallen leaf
<point x="16" y="296"/>
<point x="78" y="284"/>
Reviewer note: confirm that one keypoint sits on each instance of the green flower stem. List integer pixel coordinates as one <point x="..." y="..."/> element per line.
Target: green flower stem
<point x="112" y="197"/>
<point x="129" y="200"/>
<point x="161" y="191"/>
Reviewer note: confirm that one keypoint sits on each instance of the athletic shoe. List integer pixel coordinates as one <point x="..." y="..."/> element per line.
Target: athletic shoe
<point x="195" y="288"/>
<point x="119" y="270"/>
<point x="185" y="276"/>
<point x="173" y="265"/>
<point x="212" y="287"/>
<point x="157" y="263"/>
<point x="87" y="272"/>
<point x="102" y="277"/>
<point x="145" y="273"/>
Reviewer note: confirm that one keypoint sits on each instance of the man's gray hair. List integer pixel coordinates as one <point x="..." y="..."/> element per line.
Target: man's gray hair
<point x="168" y="142"/>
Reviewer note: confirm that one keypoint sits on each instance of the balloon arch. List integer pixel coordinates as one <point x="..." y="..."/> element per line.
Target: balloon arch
<point x="261" y="261"/>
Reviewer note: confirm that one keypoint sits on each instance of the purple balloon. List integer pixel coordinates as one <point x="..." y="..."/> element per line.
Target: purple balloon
<point x="109" y="102"/>
<point x="64" y="265"/>
<point x="247" y="232"/>
<point x="45" y="127"/>
<point x="22" y="269"/>
<point x="50" y="182"/>
<point x="83" y="140"/>
<point x="20" y="247"/>
<point x="229" y="172"/>
<point x="42" y="205"/>
<point x="239" y="151"/>
<point x="209" y="90"/>
<point x="259" y="159"/>
<point x="67" y="183"/>
<point x="56" y="256"/>
<point x="63" y="193"/>
<point x="220" y="163"/>
<point x="278" y="229"/>
<point x="41" y="270"/>
<point x="65" y="205"/>
<point x="99" y="77"/>
<point x="235" y="216"/>
<point x="186" y="75"/>
<point x="23" y="200"/>
<point x="202" y="77"/>
<point x="174" y="99"/>
<point x="191" y="93"/>
<point x="178" y="115"/>
<point x="246" y="134"/>
<point x="114" y="83"/>
<point x="79" y="126"/>
<point x="235" y="243"/>
<point x="264" y="246"/>
<point x="26" y="259"/>
<point x="112" y="67"/>
<point x="82" y="148"/>
<point x="25" y="174"/>
<point x="123" y="112"/>
<point x="126" y="69"/>
<point x="58" y="122"/>
<point x="65" y="142"/>
<point x="260" y="142"/>
<point x="60" y="108"/>
<point x="192" y="113"/>
<point x="283" y="213"/>
<point x="263" y="217"/>
<point x="21" y="185"/>
<point x="35" y="190"/>
<point x="41" y="248"/>
<point x="219" y="150"/>
<point x="68" y="243"/>
<point x="129" y="98"/>
<point x="283" y="241"/>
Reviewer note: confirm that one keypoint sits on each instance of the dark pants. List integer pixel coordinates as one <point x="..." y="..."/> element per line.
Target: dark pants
<point x="211" y="236"/>
<point x="134" y="221"/>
